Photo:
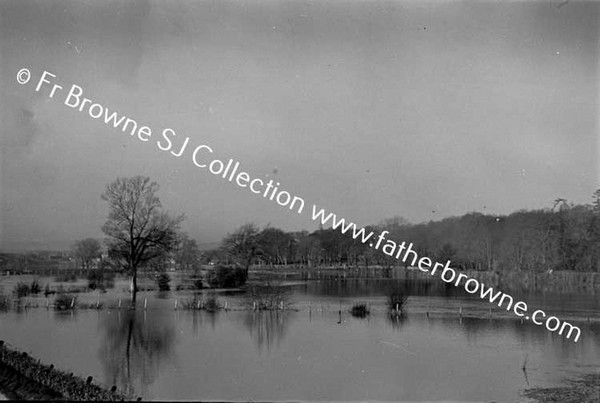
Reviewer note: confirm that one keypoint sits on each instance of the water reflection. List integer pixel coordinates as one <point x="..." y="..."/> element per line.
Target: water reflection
<point x="396" y="322"/>
<point x="362" y="287"/>
<point x="199" y="318"/>
<point x="311" y="354"/>
<point x="134" y="348"/>
<point x="267" y="327"/>
<point x="65" y="316"/>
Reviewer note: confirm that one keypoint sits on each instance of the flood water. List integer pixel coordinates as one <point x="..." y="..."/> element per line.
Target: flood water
<point x="313" y="353"/>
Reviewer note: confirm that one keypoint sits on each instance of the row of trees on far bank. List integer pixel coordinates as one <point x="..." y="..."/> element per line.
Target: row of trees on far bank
<point x="140" y="234"/>
<point x="563" y="237"/>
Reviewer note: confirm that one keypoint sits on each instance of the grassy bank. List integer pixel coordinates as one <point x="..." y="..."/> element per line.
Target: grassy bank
<point x="15" y="386"/>
<point x="23" y="377"/>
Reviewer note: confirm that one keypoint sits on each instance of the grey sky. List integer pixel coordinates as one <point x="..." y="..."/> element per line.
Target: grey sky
<point x="370" y="109"/>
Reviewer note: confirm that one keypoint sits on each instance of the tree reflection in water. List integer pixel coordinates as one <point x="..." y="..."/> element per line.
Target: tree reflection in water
<point x="397" y="322"/>
<point x="267" y="327"/>
<point x="135" y="348"/>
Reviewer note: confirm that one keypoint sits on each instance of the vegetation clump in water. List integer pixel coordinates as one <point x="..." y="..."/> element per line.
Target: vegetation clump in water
<point x="397" y="301"/>
<point x="268" y="297"/>
<point x="210" y="303"/>
<point x="23" y="289"/>
<point x="360" y="310"/>
<point x="64" y="301"/>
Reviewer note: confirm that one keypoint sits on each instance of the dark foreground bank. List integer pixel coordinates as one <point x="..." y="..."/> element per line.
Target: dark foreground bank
<point x="22" y="377"/>
<point x="585" y="389"/>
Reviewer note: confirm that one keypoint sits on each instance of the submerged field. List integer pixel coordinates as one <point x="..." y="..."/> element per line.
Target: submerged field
<point x="446" y="347"/>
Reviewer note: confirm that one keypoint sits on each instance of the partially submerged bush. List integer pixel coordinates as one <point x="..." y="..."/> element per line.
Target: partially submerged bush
<point x="22" y="290"/>
<point x="397" y="301"/>
<point x="35" y="287"/>
<point x="360" y="310"/>
<point x="163" y="281"/>
<point x="192" y="303"/>
<point x="268" y="297"/>
<point x="47" y="290"/>
<point x="210" y="303"/>
<point x="65" y="301"/>
<point x="226" y="277"/>
<point x="198" y="284"/>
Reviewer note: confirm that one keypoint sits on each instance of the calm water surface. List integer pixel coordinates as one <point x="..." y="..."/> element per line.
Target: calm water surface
<point x="313" y="353"/>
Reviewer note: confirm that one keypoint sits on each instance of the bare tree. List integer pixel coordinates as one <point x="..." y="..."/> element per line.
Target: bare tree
<point x="243" y="245"/>
<point x="187" y="255"/>
<point x="86" y="250"/>
<point x="138" y="231"/>
<point x="274" y="245"/>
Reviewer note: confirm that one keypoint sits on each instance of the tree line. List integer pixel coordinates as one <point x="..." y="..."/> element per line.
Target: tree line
<point x="139" y="233"/>
<point x="564" y="236"/>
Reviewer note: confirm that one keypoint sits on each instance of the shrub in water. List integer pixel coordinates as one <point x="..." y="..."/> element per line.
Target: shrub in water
<point x="397" y="301"/>
<point x="35" y="287"/>
<point x="268" y="297"/>
<point x="360" y="310"/>
<point x="163" y="281"/>
<point x="198" y="284"/>
<point x="64" y="301"/>
<point x="21" y="290"/>
<point x="211" y="304"/>
<point x="47" y="290"/>
<point x="191" y="303"/>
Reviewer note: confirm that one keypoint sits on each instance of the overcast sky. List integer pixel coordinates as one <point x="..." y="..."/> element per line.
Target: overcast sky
<point x="370" y="109"/>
